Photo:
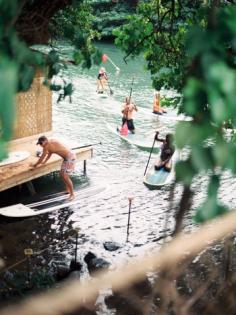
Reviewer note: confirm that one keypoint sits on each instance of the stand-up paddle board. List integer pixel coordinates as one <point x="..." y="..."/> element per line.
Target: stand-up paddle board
<point x="48" y="205"/>
<point x="102" y="94"/>
<point x="156" y="179"/>
<point x="14" y="157"/>
<point x="136" y="139"/>
<point x="169" y="115"/>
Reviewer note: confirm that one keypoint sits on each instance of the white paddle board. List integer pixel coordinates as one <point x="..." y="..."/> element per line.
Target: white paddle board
<point x="14" y="157"/>
<point x="169" y="115"/>
<point x="20" y="210"/>
<point x="135" y="139"/>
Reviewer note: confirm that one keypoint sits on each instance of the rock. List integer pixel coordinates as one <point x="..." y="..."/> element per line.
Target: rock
<point x="75" y="275"/>
<point x="123" y="305"/>
<point x="81" y="311"/>
<point x="94" y="263"/>
<point x="75" y="265"/>
<point x="88" y="257"/>
<point x="111" y="246"/>
<point x="142" y="288"/>
<point x="62" y="272"/>
<point x="124" y="300"/>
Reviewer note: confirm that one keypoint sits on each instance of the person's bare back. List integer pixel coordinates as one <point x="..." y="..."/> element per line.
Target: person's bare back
<point x="54" y="146"/>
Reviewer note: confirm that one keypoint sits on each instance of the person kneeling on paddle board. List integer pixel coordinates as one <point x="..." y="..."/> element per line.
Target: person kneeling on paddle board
<point x="69" y="159"/>
<point x="157" y="109"/>
<point x="167" y="150"/>
<point x="127" y="112"/>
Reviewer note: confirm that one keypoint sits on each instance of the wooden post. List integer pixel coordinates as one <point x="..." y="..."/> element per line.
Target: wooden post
<point x="31" y="188"/>
<point x="28" y="253"/>
<point x="85" y="167"/>
<point x="128" y="225"/>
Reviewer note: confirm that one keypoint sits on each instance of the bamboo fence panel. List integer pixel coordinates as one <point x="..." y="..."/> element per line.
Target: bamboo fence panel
<point x="33" y="110"/>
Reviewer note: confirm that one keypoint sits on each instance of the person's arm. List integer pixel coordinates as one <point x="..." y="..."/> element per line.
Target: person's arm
<point x="105" y="76"/>
<point x="123" y="109"/>
<point x="47" y="158"/>
<point x="157" y="137"/>
<point x="40" y="159"/>
<point x="135" y="107"/>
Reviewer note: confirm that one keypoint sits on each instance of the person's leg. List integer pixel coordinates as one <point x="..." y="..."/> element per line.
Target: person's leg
<point x="158" y="165"/>
<point x="168" y="166"/>
<point x="130" y="124"/>
<point x="66" y="168"/>
<point x="68" y="183"/>
<point x="123" y="121"/>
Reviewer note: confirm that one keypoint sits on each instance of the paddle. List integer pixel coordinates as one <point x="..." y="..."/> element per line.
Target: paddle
<point x="111" y="92"/>
<point x="112" y="62"/>
<point x="131" y="90"/>
<point x="87" y="145"/>
<point x="151" y="152"/>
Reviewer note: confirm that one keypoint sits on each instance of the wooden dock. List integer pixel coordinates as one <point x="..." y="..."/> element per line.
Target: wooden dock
<point x="18" y="173"/>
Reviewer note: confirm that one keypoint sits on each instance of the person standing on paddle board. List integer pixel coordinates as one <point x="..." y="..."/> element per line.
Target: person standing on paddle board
<point x="69" y="159"/>
<point x="167" y="150"/>
<point x="127" y="111"/>
<point x="157" y="109"/>
<point x="102" y="80"/>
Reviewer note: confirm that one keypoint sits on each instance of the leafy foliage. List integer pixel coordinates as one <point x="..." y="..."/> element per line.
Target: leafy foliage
<point x="18" y="61"/>
<point x="110" y="14"/>
<point x="75" y="24"/>
<point x="190" y="45"/>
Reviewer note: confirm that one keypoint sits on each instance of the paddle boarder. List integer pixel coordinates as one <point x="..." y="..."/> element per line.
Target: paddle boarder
<point x="51" y="146"/>
<point x="157" y="109"/>
<point x="127" y="111"/>
<point x="102" y="80"/>
<point x="167" y="150"/>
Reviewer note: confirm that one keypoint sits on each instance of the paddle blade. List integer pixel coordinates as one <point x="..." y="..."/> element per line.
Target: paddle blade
<point x="104" y="58"/>
<point x="124" y="130"/>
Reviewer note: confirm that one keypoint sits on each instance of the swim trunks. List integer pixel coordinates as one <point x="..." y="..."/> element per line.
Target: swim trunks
<point x="68" y="164"/>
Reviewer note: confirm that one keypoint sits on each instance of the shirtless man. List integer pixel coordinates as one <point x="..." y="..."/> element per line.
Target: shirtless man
<point x="69" y="158"/>
<point x="167" y="150"/>
<point x="127" y="112"/>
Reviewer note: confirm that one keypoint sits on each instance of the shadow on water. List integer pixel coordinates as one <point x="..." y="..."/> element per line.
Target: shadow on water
<point x="44" y="232"/>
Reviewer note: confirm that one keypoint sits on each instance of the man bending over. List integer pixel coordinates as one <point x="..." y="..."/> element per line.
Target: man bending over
<point x="69" y="158"/>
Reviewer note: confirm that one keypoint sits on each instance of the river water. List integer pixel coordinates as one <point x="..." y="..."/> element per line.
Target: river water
<point x="115" y="165"/>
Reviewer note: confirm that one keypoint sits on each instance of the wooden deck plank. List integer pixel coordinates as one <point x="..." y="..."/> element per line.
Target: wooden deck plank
<point x="19" y="173"/>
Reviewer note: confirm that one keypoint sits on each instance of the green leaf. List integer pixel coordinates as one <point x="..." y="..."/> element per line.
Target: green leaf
<point x="202" y="158"/>
<point x="221" y="151"/>
<point x="78" y="57"/>
<point x="182" y="134"/>
<point x="8" y="79"/>
<point x="184" y="172"/>
<point x="209" y="210"/>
